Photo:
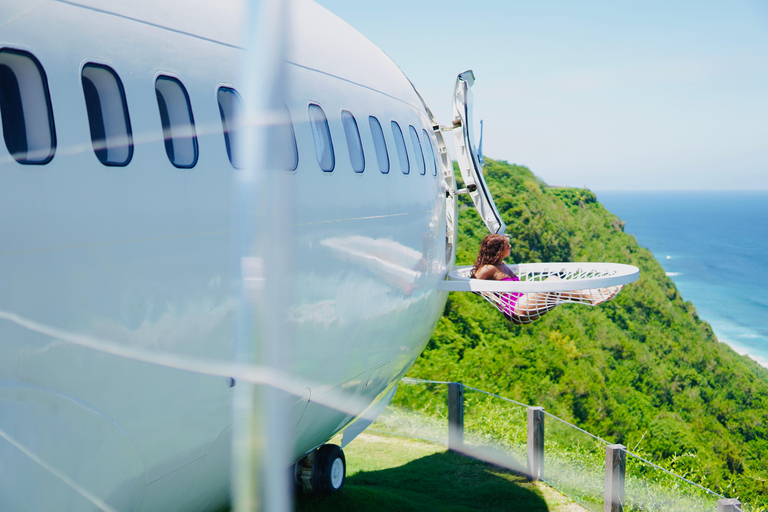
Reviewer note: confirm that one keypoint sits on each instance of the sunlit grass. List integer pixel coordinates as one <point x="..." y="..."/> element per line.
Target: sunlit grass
<point x="574" y="461"/>
<point x="396" y="473"/>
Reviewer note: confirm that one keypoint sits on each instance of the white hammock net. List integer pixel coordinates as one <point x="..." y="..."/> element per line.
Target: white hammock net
<point x="542" y="287"/>
<point x="531" y="306"/>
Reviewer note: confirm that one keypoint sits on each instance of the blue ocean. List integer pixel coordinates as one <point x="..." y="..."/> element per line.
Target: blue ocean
<point x="714" y="246"/>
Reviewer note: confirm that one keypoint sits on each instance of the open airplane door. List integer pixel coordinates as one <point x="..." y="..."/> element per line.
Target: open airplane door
<point x="469" y="161"/>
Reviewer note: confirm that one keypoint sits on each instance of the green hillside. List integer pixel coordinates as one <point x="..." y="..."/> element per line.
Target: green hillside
<point x="641" y="370"/>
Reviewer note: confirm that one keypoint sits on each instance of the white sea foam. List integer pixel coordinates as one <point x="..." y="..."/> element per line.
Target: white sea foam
<point x="739" y="349"/>
<point x="735" y="336"/>
<point x="732" y="302"/>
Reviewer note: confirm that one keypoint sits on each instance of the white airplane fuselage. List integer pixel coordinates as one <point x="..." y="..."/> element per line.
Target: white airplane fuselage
<point x="144" y="255"/>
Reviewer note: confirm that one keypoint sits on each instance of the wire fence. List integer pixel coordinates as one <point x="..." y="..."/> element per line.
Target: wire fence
<point x="498" y="430"/>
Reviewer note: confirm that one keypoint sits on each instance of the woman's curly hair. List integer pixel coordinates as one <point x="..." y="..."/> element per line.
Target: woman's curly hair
<point x="490" y="251"/>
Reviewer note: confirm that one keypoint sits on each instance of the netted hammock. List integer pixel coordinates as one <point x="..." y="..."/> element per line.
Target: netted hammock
<point x="544" y="286"/>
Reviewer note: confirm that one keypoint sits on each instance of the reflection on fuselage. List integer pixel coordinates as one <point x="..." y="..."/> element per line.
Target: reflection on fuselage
<point x="119" y="224"/>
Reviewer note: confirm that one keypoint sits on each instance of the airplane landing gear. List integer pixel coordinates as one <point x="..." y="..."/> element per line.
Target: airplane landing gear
<point x="323" y="471"/>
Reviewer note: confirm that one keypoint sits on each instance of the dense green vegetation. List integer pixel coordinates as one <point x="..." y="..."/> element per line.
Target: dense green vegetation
<point x="641" y="370"/>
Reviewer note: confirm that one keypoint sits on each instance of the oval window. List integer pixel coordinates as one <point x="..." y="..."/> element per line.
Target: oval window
<point x="402" y="153"/>
<point x="107" y="115"/>
<point x="416" y="143"/>
<point x="25" y="108"/>
<point x="322" y="135"/>
<point x="177" y="120"/>
<point x="430" y="152"/>
<point x="282" y="142"/>
<point x="352" y="133"/>
<point x="231" y="110"/>
<point x="380" y="144"/>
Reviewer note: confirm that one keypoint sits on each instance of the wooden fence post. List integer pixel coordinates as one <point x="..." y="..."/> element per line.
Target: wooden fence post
<point x="455" y="416"/>
<point x="535" y="443"/>
<point x="615" y="466"/>
<point x="728" y="505"/>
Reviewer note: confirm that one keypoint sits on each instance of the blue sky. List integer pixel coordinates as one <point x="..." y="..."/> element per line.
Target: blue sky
<point x="608" y="95"/>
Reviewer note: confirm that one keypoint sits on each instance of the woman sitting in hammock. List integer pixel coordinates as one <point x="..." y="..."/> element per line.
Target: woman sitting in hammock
<point x="525" y="307"/>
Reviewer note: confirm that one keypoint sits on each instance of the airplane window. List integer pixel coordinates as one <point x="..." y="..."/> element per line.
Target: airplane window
<point x="231" y="110"/>
<point x="417" y="149"/>
<point x="107" y="115"/>
<point x="402" y="153"/>
<point x="322" y="135"/>
<point x="353" y="141"/>
<point x="430" y="153"/>
<point x="178" y="122"/>
<point x="25" y="107"/>
<point x="282" y="143"/>
<point x="380" y="144"/>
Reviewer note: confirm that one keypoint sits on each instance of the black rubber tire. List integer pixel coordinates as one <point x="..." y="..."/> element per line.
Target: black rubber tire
<point x="326" y="478"/>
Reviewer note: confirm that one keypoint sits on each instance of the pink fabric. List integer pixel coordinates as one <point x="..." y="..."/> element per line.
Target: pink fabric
<point x="508" y="300"/>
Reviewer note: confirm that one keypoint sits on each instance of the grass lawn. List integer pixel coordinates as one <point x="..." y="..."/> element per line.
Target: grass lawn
<point x="396" y="473"/>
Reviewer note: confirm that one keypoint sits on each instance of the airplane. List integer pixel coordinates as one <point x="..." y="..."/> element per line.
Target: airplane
<point x="201" y="200"/>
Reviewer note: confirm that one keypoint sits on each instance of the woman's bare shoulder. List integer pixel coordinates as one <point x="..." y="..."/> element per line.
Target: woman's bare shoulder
<point x="486" y="272"/>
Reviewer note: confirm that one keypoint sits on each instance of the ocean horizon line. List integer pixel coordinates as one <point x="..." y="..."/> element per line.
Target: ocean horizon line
<point x="670" y="190"/>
